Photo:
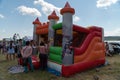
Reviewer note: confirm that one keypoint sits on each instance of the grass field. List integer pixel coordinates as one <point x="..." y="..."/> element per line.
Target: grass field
<point x="109" y="72"/>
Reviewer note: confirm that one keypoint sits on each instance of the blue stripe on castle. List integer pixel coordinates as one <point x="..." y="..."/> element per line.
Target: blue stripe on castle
<point x="57" y="73"/>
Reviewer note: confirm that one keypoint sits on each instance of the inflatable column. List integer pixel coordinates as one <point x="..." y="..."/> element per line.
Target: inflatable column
<point x="67" y="28"/>
<point x="53" y="18"/>
<point x="36" y="24"/>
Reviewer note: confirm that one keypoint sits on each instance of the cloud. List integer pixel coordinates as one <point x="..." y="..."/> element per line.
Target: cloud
<point x="76" y="19"/>
<point x="28" y="11"/>
<point x="115" y="32"/>
<point x="1" y="16"/>
<point x="105" y="3"/>
<point x="47" y="8"/>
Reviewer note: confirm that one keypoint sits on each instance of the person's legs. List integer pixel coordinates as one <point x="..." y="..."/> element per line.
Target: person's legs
<point x="25" y="69"/>
<point x="30" y="63"/>
<point x="10" y="57"/>
<point x="45" y="62"/>
<point x="3" y="50"/>
<point x="0" y="50"/>
<point x="25" y="63"/>
<point x="13" y="56"/>
<point x="7" y="56"/>
<point x="41" y="61"/>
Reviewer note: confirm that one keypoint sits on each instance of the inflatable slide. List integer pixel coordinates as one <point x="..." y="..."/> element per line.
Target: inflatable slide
<point x="87" y="52"/>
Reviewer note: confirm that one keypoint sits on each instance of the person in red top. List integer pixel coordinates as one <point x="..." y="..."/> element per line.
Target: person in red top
<point x="26" y="55"/>
<point x="43" y="56"/>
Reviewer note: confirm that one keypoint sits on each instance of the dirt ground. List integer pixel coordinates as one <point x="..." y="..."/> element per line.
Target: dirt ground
<point x="108" y="72"/>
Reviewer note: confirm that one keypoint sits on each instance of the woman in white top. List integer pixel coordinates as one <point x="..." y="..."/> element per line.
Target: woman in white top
<point x="11" y="51"/>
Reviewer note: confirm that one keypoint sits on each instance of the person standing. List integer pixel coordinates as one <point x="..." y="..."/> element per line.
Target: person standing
<point x="26" y="55"/>
<point x="19" y="47"/>
<point x="1" y="47"/>
<point x="107" y="49"/>
<point x="43" y="56"/>
<point x="34" y="47"/>
<point x="11" y="51"/>
<point x="47" y="45"/>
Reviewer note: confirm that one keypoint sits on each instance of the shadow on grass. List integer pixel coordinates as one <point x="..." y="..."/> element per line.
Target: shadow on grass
<point x="2" y="61"/>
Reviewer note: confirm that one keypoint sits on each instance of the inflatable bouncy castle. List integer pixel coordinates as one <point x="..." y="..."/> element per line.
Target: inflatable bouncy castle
<point x="72" y="48"/>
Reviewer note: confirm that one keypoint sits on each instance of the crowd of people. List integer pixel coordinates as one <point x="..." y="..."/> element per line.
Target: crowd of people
<point x="24" y="50"/>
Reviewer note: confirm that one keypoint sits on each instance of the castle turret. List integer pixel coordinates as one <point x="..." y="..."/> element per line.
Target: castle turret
<point x="36" y="24"/>
<point x="53" y="18"/>
<point x="67" y="29"/>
